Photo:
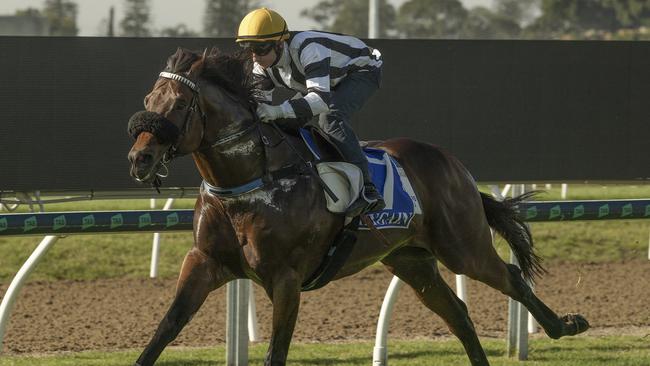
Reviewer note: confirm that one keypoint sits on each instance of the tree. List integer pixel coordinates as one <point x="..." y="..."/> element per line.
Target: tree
<point x="137" y="18"/>
<point x="577" y="17"/>
<point x="520" y="11"/>
<point x="29" y="12"/>
<point x="180" y="30"/>
<point x="483" y="23"/>
<point x="630" y="13"/>
<point x="62" y="16"/>
<point x="34" y="19"/>
<point x="351" y="16"/>
<point x="429" y="19"/>
<point x="222" y="17"/>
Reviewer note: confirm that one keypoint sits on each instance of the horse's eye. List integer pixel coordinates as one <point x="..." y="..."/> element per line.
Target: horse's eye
<point x="180" y="106"/>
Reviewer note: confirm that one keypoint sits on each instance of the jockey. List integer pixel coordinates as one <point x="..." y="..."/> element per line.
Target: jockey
<point x="333" y="74"/>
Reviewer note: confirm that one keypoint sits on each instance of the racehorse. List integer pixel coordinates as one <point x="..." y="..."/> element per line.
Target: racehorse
<point x="277" y="232"/>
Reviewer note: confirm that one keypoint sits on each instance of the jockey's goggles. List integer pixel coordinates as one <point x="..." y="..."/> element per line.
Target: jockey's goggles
<point x="259" y="48"/>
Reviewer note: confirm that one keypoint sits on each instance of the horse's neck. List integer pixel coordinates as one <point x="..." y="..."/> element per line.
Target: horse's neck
<point x="232" y="163"/>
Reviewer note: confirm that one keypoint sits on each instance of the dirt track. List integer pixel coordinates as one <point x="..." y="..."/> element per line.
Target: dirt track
<point x="117" y="314"/>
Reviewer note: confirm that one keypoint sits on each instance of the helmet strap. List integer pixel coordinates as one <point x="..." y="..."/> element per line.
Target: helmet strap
<point x="279" y="46"/>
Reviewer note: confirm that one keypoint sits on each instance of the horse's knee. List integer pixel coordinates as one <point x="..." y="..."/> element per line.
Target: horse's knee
<point x="199" y="268"/>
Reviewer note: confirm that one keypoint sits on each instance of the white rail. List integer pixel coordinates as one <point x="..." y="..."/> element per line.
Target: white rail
<point x="19" y="280"/>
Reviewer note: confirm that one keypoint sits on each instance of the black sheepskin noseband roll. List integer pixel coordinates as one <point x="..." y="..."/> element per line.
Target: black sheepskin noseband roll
<point x="165" y="131"/>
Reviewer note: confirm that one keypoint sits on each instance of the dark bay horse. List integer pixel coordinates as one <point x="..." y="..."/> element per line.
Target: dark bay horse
<point x="278" y="233"/>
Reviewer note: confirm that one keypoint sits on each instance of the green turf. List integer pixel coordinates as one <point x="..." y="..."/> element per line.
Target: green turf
<point x="579" y="351"/>
<point x="127" y="255"/>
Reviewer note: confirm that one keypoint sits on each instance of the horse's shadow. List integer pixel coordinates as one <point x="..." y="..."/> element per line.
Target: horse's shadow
<point x="189" y="362"/>
<point x="321" y="361"/>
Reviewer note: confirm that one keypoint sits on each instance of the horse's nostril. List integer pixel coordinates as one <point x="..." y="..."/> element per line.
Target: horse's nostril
<point x="140" y="158"/>
<point x="144" y="158"/>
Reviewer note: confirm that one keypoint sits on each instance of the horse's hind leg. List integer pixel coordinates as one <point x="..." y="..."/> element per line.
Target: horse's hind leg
<point x="418" y="268"/>
<point x="490" y="269"/>
<point x="197" y="279"/>
<point x="507" y="278"/>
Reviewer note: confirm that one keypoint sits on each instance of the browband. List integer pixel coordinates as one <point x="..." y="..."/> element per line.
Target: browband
<point x="182" y="79"/>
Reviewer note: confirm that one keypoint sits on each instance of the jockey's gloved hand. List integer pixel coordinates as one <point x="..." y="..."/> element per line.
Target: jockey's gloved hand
<point x="267" y="112"/>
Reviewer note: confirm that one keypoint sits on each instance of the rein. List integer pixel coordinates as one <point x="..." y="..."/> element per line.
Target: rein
<point x="255" y="183"/>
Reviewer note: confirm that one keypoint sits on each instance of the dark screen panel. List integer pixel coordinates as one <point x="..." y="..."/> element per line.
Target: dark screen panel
<point x="521" y="110"/>
<point x="510" y="110"/>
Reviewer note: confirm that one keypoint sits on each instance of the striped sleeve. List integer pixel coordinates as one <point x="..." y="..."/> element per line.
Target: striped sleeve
<point x="263" y="86"/>
<point x="315" y="59"/>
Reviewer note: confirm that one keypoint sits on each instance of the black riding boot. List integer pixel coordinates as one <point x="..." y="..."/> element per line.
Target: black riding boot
<point x="374" y="199"/>
<point x="343" y="137"/>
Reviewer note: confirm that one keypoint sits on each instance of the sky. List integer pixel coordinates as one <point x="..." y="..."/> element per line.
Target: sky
<point x="168" y="13"/>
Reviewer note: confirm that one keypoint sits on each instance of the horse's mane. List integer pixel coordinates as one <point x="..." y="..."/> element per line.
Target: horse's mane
<point x="233" y="72"/>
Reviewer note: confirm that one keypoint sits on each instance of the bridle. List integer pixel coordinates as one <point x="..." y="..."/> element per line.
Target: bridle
<point x="194" y="106"/>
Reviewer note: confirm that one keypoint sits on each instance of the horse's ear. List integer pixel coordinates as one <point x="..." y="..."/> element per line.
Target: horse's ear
<point x="205" y="53"/>
<point x="197" y="66"/>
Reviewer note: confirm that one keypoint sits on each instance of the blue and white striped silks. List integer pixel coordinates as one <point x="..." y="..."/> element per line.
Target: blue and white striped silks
<point x="390" y="179"/>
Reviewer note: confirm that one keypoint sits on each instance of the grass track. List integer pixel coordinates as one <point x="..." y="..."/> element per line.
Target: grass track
<point x="579" y="351"/>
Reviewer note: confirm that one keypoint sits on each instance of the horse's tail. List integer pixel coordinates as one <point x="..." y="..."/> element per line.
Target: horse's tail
<point x="503" y="217"/>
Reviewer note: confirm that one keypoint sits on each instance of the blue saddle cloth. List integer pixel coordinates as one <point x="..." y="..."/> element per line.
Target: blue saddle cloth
<point x="390" y="179"/>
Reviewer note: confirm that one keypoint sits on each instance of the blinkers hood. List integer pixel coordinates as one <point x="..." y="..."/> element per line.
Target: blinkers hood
<point x="145" y="121"/>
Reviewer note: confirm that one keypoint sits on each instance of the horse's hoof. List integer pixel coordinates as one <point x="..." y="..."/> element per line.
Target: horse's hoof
<point x="575" y="324"/>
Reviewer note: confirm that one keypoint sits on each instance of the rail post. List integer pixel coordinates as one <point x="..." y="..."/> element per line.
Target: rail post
<point x="237" y="321"/>
<point x="17" y="283"/>
<point x="380" y="352"/>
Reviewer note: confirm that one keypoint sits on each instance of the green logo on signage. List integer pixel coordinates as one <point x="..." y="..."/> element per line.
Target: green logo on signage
<point x="30" y="224"/>
<point x="531" y="212"/>
<point x="555" y="212"/>
<point x="87" y="222"/>
<point x="117" y="221"/>
<point x="626" y="210"/>
<point x="4" y="225"/>
<point x="578" y="211"/>
<point x="172" y="219"/>
<point x="59" y="222"/>
<point x="144" y="220"/>
<point x="603" y="210"/>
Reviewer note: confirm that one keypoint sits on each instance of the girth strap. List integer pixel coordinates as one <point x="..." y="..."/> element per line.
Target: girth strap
<point x="284" y="172"/>
<point x="335" y="258"/>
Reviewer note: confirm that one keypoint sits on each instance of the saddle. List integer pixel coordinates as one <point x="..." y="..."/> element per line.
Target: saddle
<point x="343" y="179"/>
<point x="346" y="181"/>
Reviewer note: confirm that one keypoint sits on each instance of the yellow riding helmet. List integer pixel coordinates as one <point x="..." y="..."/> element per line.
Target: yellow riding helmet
<point x="262" y="25"/>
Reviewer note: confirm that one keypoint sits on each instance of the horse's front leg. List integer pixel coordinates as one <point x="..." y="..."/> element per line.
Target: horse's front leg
<point x="285" y="296"/>
<point x="199" y="275"/>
